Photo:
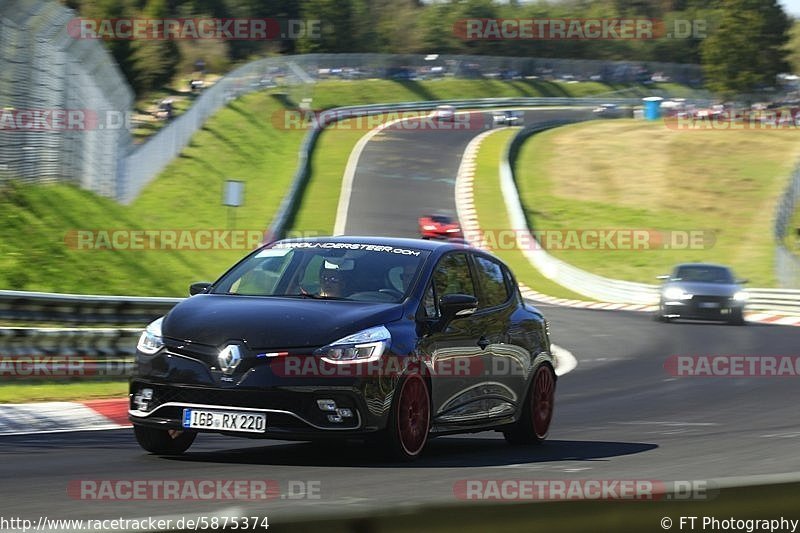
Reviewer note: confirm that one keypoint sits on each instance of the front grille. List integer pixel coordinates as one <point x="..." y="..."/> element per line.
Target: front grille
<point x="697" y="298"/>
<point x="303" y="404"/>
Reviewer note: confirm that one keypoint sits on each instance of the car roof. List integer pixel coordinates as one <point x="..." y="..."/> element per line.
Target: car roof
<point x="703" y="265"/>
<point x="398" y="242"/>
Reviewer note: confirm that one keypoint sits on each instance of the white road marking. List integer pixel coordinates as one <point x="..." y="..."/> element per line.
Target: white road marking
<point x="565" y="361"/>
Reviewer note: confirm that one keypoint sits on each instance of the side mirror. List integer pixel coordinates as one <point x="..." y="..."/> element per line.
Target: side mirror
<point x="199" y="287"/>
<point x="663" y="277"/>
<point x="457" y="305"/>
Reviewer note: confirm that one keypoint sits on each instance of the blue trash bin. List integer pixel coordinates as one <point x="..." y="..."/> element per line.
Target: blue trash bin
<point x="652" y="107"/>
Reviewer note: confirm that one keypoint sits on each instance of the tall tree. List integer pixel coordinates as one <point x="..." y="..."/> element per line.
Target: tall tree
<point x="748" y="48"/>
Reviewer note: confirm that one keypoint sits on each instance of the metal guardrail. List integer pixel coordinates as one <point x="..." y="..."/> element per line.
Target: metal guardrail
<point x="77" y="309"/>
<point x="592" y="285"/>
<point x="103" y="350"/>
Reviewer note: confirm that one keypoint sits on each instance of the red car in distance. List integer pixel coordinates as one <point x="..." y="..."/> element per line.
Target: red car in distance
<point x="439" y="227"/>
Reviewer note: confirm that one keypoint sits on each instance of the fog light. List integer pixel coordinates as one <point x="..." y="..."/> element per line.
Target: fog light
<point x="334" y="418"/>
<point x="344" y="413"/>
<point x="142" y="399"/>
<point x="326" y="405"/>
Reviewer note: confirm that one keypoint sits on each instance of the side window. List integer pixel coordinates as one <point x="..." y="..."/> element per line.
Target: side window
<point x="451" y="276"/>
<point x="429" y="303"/>
<point x="493" y="282"/>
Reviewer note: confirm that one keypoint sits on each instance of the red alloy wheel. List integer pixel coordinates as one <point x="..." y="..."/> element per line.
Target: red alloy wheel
<point x="542" y="399"/>
<point x="413" y="415"/>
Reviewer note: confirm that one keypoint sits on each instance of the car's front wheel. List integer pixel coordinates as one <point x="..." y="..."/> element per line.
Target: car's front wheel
<point x="409" y="420"/>
<point x="660" y="316"/>
<point x="737" y="318"/>
<point x="164" y="441"/>
<point x="537" y="413"/>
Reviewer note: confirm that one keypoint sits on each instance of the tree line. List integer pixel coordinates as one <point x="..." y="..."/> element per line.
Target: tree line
<point x="742" y="44"/>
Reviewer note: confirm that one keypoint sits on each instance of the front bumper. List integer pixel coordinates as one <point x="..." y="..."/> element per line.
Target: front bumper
<point x="716" y="308"/>
<point x="292" y="413"/>
<point x="283" y="389"/>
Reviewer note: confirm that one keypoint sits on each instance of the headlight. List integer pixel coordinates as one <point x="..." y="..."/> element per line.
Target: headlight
<point x="741" y="296"/>
<point x="429" y="227"/>
<point x="366" y="345"/>
<point x="150" y="342"/>
<point x="675" y="293"/>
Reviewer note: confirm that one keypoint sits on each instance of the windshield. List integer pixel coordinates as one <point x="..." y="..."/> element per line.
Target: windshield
<point x="326" y="270"/>
<point x="704" y="274"/>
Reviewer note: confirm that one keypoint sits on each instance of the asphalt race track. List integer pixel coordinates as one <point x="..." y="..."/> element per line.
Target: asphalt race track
<point x="619" y="415"/>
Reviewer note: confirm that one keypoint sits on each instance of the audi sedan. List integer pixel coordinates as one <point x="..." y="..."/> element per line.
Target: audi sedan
<point x="702" y="291"/>
<point x="392" y="341"/>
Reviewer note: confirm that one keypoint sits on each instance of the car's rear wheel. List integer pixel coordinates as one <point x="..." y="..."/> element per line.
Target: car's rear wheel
<point x="409" y="420"/>
<point x="537" y="412"/>
<point x="164" y="441"/>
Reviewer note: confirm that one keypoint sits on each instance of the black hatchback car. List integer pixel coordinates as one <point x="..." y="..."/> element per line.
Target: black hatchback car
<point x="389" y="340"/>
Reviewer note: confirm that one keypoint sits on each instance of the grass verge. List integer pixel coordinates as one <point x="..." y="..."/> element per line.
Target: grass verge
<point x="61" y="392"/>
<point x="628" y="174"/>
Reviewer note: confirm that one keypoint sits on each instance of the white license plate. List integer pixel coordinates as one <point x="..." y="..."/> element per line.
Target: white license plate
<point x="224" y="420"/>
<point x="709" y="305"/>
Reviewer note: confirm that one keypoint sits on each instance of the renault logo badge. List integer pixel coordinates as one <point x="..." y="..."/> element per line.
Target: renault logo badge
<point x="229" y="358"/>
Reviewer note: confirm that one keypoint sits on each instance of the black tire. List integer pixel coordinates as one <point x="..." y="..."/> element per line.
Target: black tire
<point x="409" y="420"/>
<point x="658" y="316"/>
<point x="161" y="442"/>
<point x="737" y="319"/>
<point x="537" y="412"/>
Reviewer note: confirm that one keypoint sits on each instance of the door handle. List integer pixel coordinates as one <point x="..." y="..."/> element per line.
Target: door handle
<point x="483" y="342"/>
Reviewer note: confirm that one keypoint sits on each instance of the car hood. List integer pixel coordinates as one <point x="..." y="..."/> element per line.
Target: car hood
<point x="706" y="289"/>
<point x="214" y="319"/>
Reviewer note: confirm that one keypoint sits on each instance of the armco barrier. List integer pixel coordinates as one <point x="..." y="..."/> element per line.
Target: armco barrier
<point x="76" y="309"/>
<point x="51" y="351"/>
<point x="592" y="285"/>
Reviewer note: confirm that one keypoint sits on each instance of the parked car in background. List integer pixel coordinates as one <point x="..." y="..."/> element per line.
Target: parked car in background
<point x="608" y="111"/>
<point x="507" y="117"/>
<point x="445" y="112"/>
